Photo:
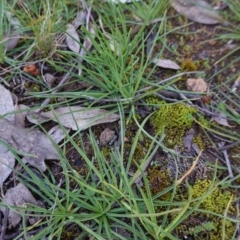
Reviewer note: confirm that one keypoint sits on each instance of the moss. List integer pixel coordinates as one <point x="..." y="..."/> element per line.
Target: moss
<point x="138" y="154"/>
<point x="159" y="179"/>
<point x="106" y="151"/>
<point x="188" y="65"/>
<point x="174" y="120"/>
<point x="199" y="141"/>
<point x="211" y="225"/>
<point x="217" y="201"/>
<point x="70" y="232"/>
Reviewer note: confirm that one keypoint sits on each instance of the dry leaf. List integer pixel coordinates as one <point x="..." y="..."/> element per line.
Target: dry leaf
<point x="31" y="69"/>
<point x="166" y="63"/>
<point x="220" y="118"/>
<point x="188" y="138"/>
<point x="34" y="145"/>
<point x="49" y="79"/>
<point x="80" y="19"/>
<point x="18" y="196"/>
<point x="6" y="103"/>
<point x="7" y="162"/>
<point x="106" y="136"/>
<point x="122" y="1"/>
<point x="57" y="134"/>
<point x="72" y="39"/>
<point x="31" y="117"/>
<point x="149" y="43"/>
<point x="197" y="85"/>
<point x="87" y="44"/>
<point x="197" y="11"/>
<point x="113" y="43"/>
<point x="236" y="84"/>
<point x="10" y="40"/>
<point x="13" y="20"/>
<point x="80" y="118"/>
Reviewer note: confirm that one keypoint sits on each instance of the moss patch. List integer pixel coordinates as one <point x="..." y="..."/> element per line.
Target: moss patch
<point x="203" y="225"/>
<point x="173" y="120"/>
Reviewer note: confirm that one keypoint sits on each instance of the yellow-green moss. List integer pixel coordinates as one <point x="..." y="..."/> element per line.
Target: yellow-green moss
<point x="199" y="141"/>
<point x="71" y="233"/>
<point x="158" y="180"/>
<point x="106" y="151"/>
<point x="216" y="202"/>
<point x="188" y="65"/>
<point x="174" y="120"/>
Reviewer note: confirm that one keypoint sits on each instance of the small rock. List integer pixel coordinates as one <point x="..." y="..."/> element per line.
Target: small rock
<point x="106" y="136"/>
<point x="197" y="85"/>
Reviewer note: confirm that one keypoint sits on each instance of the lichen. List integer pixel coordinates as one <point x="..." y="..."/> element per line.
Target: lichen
<point x="173" y="120"/>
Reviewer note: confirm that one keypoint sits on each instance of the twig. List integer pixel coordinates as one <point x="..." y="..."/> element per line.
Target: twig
<point x="179" y="181"/>
<point x="225" y="154"/>
<point x="226" y="147"/>
<point x="4" y="225"/>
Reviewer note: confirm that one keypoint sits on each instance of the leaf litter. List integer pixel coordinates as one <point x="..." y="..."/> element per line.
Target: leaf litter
<point x="80" y="118"/>
<point x="32" y="144"/>
<point x="18" y="196"/>
<point x="197" y="11"/>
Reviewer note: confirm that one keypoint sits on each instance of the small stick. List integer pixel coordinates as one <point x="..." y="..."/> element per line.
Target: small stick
<point x="179" y="181"/>
<point x="225" y="154"/>
<point x="4" y="225"/>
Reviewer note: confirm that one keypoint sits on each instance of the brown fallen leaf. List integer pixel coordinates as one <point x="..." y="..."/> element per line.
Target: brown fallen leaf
<point x="7" y="162"/>
<point x="57" y="134"/>
<point x="166" y="63"/>
<point x="6" y="103"/>
<point x="197" y="85"/>
<point x="18" y="196"/>
<point x="80" y="118"/>
<point x="10" y="40"/>
<point x="113" y="43"/>
<point x="34" y="145"/>
<point x="80" y="19"/>
<point x="87" y="44"/>
<point x="197" y="11"/>
<point x="150" y="41"/>
<point x="122" y="1"/>
<point x="72" y="38"/>
<point x="49" y="79"/>
<point x="31" y="69"/>
<point x="221" y="119"/>
<point x="188" y="138"/>
<point x="235" y="86"/>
